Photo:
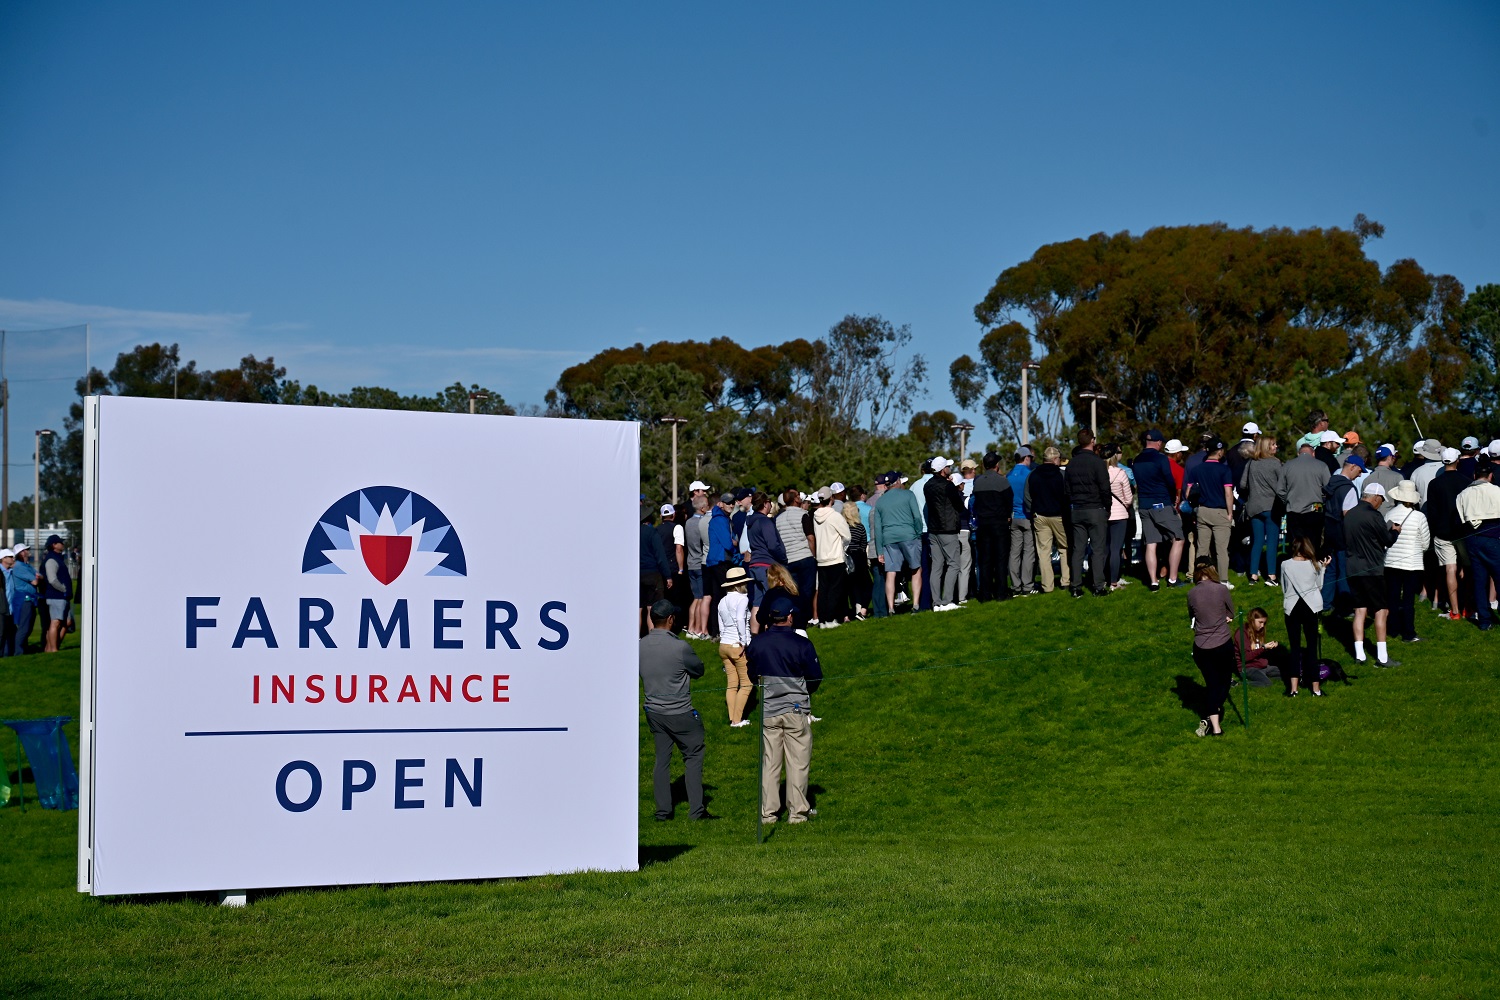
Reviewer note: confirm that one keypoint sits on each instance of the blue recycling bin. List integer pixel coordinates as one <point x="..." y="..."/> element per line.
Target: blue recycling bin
<point x="52" y="768"/>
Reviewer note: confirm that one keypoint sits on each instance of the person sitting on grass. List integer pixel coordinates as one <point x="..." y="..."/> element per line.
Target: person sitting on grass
<point x="1259" y="657"/>
<point x="1213" y="611"/>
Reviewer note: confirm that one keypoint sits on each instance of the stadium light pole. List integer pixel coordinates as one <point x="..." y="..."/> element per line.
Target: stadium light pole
<point x="1026" y="369"/>
<point x="474" y="397"/>
<point x="963" y="427"/>
<point x="1093" y="398"/>
<point x="675" y="422"/>
<point x="36" y="494"/>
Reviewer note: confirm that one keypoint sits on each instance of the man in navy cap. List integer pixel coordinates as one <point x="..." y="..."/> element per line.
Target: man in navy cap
<point x="1156" y="491"/>
<point x="786" y="667"/>
<point x="1339" y="497"/>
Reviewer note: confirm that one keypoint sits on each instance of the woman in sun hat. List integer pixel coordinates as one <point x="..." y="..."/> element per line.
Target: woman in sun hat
<point x="734" y="636"/>
<point x="1404" y="559"/>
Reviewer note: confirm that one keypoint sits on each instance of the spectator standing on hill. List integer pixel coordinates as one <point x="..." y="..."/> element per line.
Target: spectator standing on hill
<point x="1384" y="471"/>
<point x="1432" y="464"/>
<point x="1121" y="499"/>
<point x="668" y="666"/>
<point x="7" y="621"/>
<point x="795" y="526"/>
<point x="1339" y="497"/>
<point x="1441" y="509"/>
<point x="1210" y="488"/>
<point x="734" y="636"/>
<point x="994" y="502"/>
<point x="1047" y="499"/>
<point x="695" y="542"/>
<point x="1368" y="535"/>
<point x="722" y="553"/>
<point x="1317" y="422"/>
<point x="1327" y="451"/>
<point x="1261" y="484"/>
<point x="1022" y="559"/>
<point x="857" y="559"/>
<point x="1160" y="523"/>
<point x="945" y="516"/>
<point x="1479" y="514"/>
<point x="1404" y="559"/>
<point x="766" y="547"/>
<point x="1244" y="450"/>
<point x="898" y="538"/>
<point x="23" y="599"/>
<point x="1303" y="480"/>
<point x="786" y="666"/>
<point x="1087" y="482"/>
<point x="833" y="537"/>
<point x="58" y="590"/>
<point x="655" y="570"/>
<point x="674" y="542"/>
<point x="1213" y="612"/>
<point x="1301" y="603"/>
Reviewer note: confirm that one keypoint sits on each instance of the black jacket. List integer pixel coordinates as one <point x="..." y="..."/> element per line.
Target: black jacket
<point x="1442" y="505"/>
<point x="1333" y="512"/>
<point x="1087" y="481"/>
<point x="1046" y="493"/>
<point x="945" y="506"/>
<point x="994" y="497"/>
<point x="1367" y="535"/>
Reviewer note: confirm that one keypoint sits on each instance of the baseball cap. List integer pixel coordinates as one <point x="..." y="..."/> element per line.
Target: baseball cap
<point x="663" y="608"/>
<point x="1174" y="447"/>
<point x="1329" y="437"/>
<point x="824" y="495"/>
<point x="1384" y="451"/>
<point x="940" y="463"/>
<point x="697" y="484"/>
<point x="7" y="552"/>
<point x="881" y="480"/>
<point x="968" y="463"/>
<point x="1451" y="455"/>
<point x="1469" y="444"/>
<point x="667" y="510"/>
<point x="1216" y="444"/>
<point x="1493" y="451"/>
<point x="780" y="606"/>
<point x="21" y="548"/>
<point x="1025" y="452"/>
<point x="1250" y="428"/>
<point x="743" y="492"/>
<point x="1154" y="435"/>
<point x="1351" y="437"/>
<point x="726" y="498"/>
<point x="837" y="487"/>
<point x="1374" y="490"/>
<point x="1358" y="463"/>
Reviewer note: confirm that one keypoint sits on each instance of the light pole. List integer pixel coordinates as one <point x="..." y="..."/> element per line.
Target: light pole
<point x="36" y="495"/>
<point x="474" y="397"/>
<point x="1093" y="398"/>
<point x="963" y="427"/>
<point x="675" y="422"/>
<point x="1026" y="369"/>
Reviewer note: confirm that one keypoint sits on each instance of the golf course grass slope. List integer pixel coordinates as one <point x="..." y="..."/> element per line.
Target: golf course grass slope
<point x="1011" y="802"/>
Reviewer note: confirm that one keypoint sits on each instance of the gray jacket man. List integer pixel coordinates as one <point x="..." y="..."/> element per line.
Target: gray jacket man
<point x="668" y="666"/>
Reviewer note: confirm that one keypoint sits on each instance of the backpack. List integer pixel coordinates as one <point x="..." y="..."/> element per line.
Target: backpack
<point x="1329" y="670"/>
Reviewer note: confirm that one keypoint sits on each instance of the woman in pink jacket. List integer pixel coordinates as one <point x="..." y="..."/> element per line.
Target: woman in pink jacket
<point x="1121" y="498"/>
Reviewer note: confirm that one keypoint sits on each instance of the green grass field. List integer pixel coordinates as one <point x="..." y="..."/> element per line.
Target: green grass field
<point x="1031" y="815"/>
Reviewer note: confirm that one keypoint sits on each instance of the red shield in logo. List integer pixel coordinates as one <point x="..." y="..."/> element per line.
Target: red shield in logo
<point x="385" y="555"/>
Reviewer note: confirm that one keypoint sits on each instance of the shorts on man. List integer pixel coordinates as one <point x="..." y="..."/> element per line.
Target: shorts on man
<point x="1445" y="551"/>
<point x="1369" y="592"/>
<point x="1161" y="525"/>
<point x="653" y="589"/>
<point x="695" y="581"/>
<point x="903" y="555"/>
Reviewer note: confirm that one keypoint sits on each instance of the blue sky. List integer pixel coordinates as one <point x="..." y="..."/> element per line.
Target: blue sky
<point x="405" y="195"/>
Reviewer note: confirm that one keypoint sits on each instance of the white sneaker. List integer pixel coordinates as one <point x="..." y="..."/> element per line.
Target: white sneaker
<point x="813" y="621"/>
<point x="829" y="625"/>
<point x="740" y="724"/>
<point x="814" y="718"/>
<point x="1202" y="728"/>
<point x="1228" y="586"/>
<point x="901" y="598"/>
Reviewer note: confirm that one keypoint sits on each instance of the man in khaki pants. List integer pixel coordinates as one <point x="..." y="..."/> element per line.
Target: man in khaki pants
<point x="786" y="666"/>
<point x="1046" y="497"/>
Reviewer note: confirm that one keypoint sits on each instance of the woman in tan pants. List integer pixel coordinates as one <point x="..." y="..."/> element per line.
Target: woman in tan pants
<point x="734" y="636"/>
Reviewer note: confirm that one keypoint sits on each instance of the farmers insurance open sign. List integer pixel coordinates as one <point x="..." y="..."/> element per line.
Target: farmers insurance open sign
<point x="331" y="646"/>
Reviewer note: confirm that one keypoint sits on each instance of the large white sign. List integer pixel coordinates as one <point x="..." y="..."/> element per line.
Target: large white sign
<point x="328" y="647"/>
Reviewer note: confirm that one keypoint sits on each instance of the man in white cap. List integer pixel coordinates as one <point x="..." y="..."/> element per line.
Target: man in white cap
<point x="1432" y="453"/>
<point x="1441" y="509"/>
<point x="21" y="582"/>
<point x="945" y="514"/>
<point x="1327" y="451"/>
<point x="839" y="494"/>
<point x="1479" y="512"/>
<point x="1367" y="536"/>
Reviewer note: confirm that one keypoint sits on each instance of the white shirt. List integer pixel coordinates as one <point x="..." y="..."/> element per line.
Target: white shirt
<point x="1424" y="476"/>
<point x="1412" y="540"/>
<point x="1479" y="501"/>
<point x="734" y="619"/>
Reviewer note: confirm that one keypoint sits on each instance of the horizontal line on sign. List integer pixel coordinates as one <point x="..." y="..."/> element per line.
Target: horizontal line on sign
<point x="356" y="732"/>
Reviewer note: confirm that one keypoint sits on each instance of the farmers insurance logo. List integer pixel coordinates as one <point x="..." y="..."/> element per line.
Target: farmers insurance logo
<point x="385" y="531"/>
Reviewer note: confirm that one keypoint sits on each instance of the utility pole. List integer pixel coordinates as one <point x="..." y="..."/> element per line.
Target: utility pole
<point x="963" y="427"/>
<point x="473" y="398"/>
<point x="675" y="422"/>
<point x="1093" y="398"/>
<point x="36" y="495"/>
<point x="1026" y="369"/>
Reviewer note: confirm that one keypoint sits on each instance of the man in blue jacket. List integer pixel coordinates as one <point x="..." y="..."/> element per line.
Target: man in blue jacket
<point x="1156" y="489"/>
<point x="786" y="667"/>
<point x="722" y="553"/>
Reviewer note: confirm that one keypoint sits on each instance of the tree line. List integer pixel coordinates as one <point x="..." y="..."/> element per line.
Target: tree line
<point x="1186" y="328"/>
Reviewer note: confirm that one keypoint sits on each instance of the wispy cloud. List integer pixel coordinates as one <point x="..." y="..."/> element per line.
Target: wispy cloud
<point x="22" y="314"/>
<point x="493" y="353"/>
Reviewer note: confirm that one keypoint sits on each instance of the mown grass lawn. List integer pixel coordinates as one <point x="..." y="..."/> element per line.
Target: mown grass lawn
<point x="1031" y="816"/>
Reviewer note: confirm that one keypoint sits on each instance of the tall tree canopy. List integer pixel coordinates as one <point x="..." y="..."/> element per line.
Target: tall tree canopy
<point x="1186" y="327"/>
